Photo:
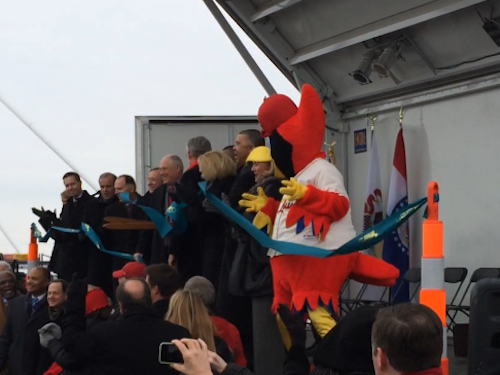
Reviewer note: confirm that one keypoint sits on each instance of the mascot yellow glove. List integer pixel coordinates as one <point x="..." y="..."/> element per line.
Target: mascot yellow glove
<point x="293" y="190"/>
<point x="254" y="203"/>
<point x="261" y="220"/>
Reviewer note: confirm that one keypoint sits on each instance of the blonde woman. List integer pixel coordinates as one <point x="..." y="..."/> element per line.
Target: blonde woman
<point x="219" y="170"/>
<point x="188" y="310"/>
<point x="250" y="274"/>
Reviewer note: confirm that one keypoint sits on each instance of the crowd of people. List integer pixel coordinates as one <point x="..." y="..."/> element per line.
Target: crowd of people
<point x="208" y="290"/>
<point x="189" y="286"/>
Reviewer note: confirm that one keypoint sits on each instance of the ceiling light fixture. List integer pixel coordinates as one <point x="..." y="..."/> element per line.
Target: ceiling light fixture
<point x="362" y="74"/>
<point x="388" y="58"/>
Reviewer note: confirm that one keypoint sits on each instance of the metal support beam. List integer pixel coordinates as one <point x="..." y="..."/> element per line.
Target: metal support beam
<point x="267" y="37"/>
<point x="447" y="92"/>
<point x="238" y="44"/>
<point x="382" y="27"/>
<point x="272" y="7"/>
<point x="48" y="144"/>
<point x="7" y="236"/>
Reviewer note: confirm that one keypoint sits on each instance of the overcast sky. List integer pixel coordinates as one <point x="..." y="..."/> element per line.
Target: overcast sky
<point x="79" y="71"/>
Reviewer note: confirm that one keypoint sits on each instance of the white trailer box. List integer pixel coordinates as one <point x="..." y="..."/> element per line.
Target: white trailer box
<point x="157" y="136"/>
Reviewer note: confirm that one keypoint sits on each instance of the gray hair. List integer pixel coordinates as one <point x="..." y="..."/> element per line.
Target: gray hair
<point x="10" y="273"/>
<point x="203" y="288"/>
<point x="177" y="161"/>
<point x="6" y="265"/>
<point x="107" y="175"/>
<point x="198" y="146"/>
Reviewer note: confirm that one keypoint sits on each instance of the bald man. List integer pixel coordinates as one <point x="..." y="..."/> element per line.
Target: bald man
<point x="151" y="246"/>
<point x="130" y="345"/>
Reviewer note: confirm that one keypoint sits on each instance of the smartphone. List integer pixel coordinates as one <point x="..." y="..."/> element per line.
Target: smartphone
<point x="169" y="354"/>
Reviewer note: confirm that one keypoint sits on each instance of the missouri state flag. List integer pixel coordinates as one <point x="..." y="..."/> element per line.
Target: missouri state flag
<point x="396" y="244"/>
<point x="372" y="210"/>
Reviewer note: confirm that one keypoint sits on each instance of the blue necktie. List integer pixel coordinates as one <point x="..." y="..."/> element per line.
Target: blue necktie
<point x="33" y="304"/>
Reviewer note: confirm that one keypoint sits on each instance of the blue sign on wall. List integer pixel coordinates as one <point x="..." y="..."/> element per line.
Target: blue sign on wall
<point x="360" y="141"/>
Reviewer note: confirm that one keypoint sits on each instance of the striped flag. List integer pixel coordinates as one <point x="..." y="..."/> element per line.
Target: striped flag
<point x="373" y="212"/>
<point x="396" y="244"/>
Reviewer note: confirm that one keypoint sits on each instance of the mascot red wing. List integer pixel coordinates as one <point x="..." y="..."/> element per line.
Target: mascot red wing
<point x="314" y="211"/>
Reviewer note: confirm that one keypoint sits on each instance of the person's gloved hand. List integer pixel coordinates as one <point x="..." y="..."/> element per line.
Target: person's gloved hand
<point x="225" y="199"/>
<point x="49" y="332"/>
<point x="77" y="287"/>
<point x="209" y="207"/>
<point x="294" y="324"/>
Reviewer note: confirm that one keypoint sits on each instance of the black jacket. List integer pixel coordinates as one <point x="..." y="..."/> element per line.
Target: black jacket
<point x="72" y="364"/>
<point x="20" y="342"/>
<point x="161" y="307"/>
<point x="250" y="271"/>
<point x="130" y="345"/>
<point x="150" y="243"/>
<point x="187" y="247"/>
<point x="99" y="263"/>
<point x="124" y="241"/>
<point x="214" y="230"/>
<point x="70" y="255"/>
<point x="243" y="183"/>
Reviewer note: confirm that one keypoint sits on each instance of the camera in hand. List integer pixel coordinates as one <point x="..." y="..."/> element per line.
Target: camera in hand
<point x="169" y="354"/>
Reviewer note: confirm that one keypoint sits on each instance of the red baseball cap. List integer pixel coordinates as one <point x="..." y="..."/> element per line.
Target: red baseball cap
<point x="131" y="269"/>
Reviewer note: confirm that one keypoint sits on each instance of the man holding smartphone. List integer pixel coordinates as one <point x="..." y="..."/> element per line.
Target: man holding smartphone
<point x="129" y="346"/>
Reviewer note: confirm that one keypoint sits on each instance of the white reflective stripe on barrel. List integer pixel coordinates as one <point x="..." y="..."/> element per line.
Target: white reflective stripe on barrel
<point x="432" y="273"/>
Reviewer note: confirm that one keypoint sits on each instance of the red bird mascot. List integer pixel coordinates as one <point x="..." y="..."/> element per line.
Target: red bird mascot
<point x="314" y="211"/>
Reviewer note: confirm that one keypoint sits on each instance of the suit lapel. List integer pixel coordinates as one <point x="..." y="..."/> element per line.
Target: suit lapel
<point x="40" y="309"/>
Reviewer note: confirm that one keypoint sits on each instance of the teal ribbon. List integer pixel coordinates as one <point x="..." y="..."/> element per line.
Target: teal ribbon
<point x="92" y="235"/>
<point x="158" y="220"/>
<point x="44" y="238"/>
<point x="365" y="240"/>
<point x="174" y="212"/>
<point x="89" y="232"/>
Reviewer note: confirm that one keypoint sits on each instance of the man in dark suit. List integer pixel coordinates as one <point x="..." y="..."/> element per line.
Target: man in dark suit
<point x="70" y="255"/>
<point x="126" y="240"/>
<point x="19" y="343"/>
<point x="130" y="345"/>
<point x="186" y="250"/>
<point x="99" y="263"/>
<point x="152" y="247"/>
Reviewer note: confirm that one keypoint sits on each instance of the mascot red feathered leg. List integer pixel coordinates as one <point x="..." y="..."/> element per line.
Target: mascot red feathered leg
<point x="314" y="211"/>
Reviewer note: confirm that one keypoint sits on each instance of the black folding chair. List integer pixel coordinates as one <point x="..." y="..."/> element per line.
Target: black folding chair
<point x="454" y="275"/>
<point x="479" y="274"/>
<point x="412" y="276"/>
<point x="341" y="297"/>
<point x="349" y="304"/>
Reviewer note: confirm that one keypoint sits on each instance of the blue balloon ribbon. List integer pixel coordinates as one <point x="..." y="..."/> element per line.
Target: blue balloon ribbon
<point x="365" y="240"/>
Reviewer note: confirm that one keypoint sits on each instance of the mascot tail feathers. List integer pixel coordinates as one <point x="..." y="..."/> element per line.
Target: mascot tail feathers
<point x="370" y="270"/>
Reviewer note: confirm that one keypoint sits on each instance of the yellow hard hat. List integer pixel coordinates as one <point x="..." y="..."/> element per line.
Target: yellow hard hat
<point x="262" y="154"/>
